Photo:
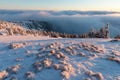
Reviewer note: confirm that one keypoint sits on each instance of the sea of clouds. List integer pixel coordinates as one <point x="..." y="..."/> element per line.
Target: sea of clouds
<point x="68" y="21"/>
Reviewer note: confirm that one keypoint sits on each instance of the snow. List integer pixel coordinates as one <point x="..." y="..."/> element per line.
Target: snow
<point x="59" y="59"/>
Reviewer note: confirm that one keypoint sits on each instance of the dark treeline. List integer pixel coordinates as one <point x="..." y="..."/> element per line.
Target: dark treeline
<point x="14" y="30"/>
<point x="101" y="33"/>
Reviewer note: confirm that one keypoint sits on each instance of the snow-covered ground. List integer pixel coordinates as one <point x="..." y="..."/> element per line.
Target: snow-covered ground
<point x="44" y="58"/>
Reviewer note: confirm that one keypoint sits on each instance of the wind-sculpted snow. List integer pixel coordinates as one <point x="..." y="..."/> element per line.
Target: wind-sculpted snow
<point x="59" y="59"/>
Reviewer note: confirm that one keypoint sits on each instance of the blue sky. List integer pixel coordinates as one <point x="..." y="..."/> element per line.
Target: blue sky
<point x="109" y="5"/>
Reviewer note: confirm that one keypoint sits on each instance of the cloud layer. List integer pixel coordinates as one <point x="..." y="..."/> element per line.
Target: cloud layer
<point x="68" y="21"/>
<point x="56" y="13"/>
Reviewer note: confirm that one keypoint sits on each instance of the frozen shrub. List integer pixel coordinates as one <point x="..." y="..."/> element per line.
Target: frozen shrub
<point x="12" y="28"/>
<point x="67" y="50"/>
<point x="47" y="63"/>
<point x="51" y="46"/>
<point x="57" y="66"/>
<point x="38" y="66"/>
<point x="112" y="58"/>
<point x="117" y="53"/>
<point x="97" y="49"/>
<point x="13" y="78"/>
<point x="101" y="33"/>
<point x="68" y="70"/>
<point x="40" y="55"/>
<point x="87" y="48"/>
<point x="65" y="74"/>
<point x="84" y="36"/>
<point x="85" y="44"/>
<point x="87" y="79"/>
<point x="60" y="55"/>
<point x="16" y="45"/>
<point x="69" y="67"/>
<point x="14" y="69"/>
<point x="53" y="52"/>
<point x="117" y="37"/>
<point x="80" y="45"/>
<point x="29" y="75"/>
<point x="10" y="31"/>
<point x="92" y="33"/>
<point x="115" y="40"/>
<point x="28" y="53"/>
<point x="3" y="75"/>
<point x="70" y="47"/>
<point x="73" y="52"/>
<point x="97" y="75"/>
<point x="92" y="56"/>
<point x="82" y="54"/>
<point x="19" y="59"/>
<point x="59" y="45"/>
<point x="43" y="49"/>
<point x="63" y="62"/>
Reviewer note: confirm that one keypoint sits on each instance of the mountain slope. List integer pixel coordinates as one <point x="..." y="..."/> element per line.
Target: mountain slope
<point x="29" y="57"/>
<point x="30" y="24"/>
